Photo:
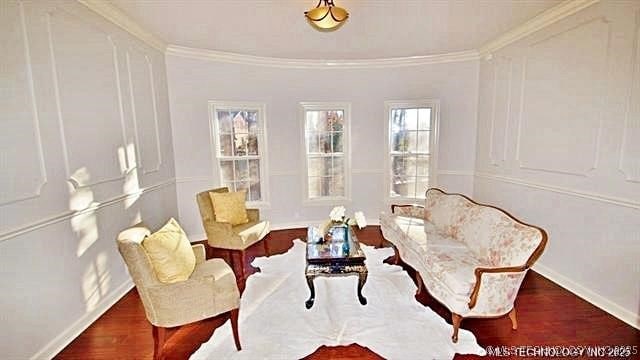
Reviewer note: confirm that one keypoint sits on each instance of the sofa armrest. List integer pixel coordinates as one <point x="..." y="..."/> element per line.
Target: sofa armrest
<point x="199" y="252"/>
<point x="414" y="210"/>
<point x="473" y="298"/>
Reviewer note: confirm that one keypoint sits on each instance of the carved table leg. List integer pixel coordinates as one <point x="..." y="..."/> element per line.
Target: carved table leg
<point x="362" y="278"/>
<point x="312" y="297"/>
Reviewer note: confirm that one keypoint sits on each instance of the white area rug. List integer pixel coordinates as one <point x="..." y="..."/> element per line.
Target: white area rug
<point x="274" y="323"/>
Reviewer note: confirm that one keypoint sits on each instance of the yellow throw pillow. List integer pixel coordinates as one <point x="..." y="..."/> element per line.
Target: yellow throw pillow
<point x="229" y="207"/>
<point x="170" y="253"/>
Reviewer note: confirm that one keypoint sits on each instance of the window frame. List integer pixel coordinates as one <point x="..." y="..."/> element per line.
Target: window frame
<point x="214" y="131"/>
<point x="434" y="105"/>
<point x="346" y="151"/>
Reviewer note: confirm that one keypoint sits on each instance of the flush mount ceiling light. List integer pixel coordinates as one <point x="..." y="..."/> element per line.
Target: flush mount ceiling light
<point x="327" y="17"/>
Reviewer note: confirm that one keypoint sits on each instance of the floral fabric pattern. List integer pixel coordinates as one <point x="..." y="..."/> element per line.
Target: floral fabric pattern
<point x="410" y="211"/>
<point x="455" y="237"/>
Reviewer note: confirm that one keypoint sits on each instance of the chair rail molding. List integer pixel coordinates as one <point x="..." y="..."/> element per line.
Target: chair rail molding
<point x="66" y="215"/>
<point x="562" y="190"/>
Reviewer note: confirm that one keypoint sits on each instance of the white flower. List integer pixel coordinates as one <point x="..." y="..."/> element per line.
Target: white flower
<point x="360" y="220"/>
<point x="337" y="213"/>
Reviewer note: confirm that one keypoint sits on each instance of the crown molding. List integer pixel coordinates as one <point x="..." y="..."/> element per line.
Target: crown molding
<point x="116" y="16"/>
<point x="234" y="58"/>
<point x="542" y="20"/>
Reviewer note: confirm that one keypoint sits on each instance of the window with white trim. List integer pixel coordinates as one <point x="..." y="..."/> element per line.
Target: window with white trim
<point x="326" y="149"/>
<point x="240" y="148"/>
<point x="412" y="145"/>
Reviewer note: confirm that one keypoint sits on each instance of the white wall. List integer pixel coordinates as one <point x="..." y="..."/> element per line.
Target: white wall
<point x="559" y="147"/>
<point x="73" y="173"/>
<point x="193" y="82"/>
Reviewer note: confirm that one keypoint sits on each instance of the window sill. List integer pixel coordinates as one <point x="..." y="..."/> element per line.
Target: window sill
<point x="326" y="201"/>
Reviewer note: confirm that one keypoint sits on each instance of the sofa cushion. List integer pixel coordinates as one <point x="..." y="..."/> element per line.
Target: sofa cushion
<point x="453" y="266"/>
<point x="446" y="212"/>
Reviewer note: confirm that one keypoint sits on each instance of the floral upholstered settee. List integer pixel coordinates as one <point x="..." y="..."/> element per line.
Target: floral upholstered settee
<point x="471" y="257"/>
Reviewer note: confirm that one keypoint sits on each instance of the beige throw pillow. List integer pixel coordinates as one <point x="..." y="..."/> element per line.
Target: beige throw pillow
<point x="170" y="253"/>
<point x="230" y="207"/>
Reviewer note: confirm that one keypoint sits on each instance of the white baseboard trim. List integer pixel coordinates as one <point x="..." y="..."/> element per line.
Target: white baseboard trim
<point x="597" y="300"/>
<point x="67" y="336"/>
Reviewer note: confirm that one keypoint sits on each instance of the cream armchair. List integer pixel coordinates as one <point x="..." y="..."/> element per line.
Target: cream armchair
<point x="211" y="290"/>
<point x="236" y="239"/>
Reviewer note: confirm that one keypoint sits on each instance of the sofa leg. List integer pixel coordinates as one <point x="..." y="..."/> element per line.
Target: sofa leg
<point x="420" y="284"/>
<point x="159" y="334"/>
<point x="234" y="328"/>
<point x="456" y="320"/>
<point x="514" y="320"/>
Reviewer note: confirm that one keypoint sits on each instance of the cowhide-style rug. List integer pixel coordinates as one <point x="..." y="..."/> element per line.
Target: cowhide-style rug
<point x="274" y="323"/>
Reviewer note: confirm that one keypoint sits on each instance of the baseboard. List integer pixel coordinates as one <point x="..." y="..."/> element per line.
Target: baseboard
<point x="589" y="296"/>
<point x="67" y="336"/>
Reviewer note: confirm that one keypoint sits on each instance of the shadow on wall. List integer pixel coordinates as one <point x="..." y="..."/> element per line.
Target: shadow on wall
<point x="95" y="280"/>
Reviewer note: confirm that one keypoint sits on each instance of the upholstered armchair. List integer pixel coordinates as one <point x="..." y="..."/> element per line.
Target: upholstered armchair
<point x="210" y="290"/>
<point x="235" y="239"/>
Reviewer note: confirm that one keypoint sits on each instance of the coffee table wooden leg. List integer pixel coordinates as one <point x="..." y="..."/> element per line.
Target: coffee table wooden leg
<point x="362" y="278"/>
<point x="312" y="297"/>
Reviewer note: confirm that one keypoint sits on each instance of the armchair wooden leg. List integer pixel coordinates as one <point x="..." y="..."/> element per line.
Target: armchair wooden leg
<point x="265" y="245"/>
<point x="514" y="320"/>
<point x="159" y="334"/>
<point x="456" y="320"/>
<point x="234" y="328"/>
<point x="393" y="259"/>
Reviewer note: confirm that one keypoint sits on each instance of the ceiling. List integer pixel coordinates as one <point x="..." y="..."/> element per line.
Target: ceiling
<point x="375" y="29"/>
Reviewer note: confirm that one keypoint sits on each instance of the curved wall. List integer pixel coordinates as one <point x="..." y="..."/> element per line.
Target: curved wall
<point x="193" y="82"/>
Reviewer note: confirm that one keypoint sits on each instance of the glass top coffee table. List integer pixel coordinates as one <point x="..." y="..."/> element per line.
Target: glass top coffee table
<point x="330" y="257"/>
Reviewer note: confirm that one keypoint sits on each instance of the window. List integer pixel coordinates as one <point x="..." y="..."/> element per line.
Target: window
<point x="239" y="147"/>
<point x="326" y="150"/>
<point x="412" y="130"/>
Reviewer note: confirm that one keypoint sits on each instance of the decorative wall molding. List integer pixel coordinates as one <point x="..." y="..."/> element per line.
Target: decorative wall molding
<point x="632" y="114"/>
<point x="116" y="16"/>
<point x="599" y="99"/>
<point x="563" y="190"/>
<point x="58" y="343"/>
<point x="66" y="215"/>
<point x="58" y="98"/>
<point x="136" y="122"/>
<point x="546" y="18"/>
<point x="505" y="131"/>
<point x="588" y="295"/>
<point x="13" y="198"/>
<point x="233" y="58"/>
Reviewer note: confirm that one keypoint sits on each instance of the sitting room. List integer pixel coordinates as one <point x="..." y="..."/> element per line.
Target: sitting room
<point x="320" y="179"/>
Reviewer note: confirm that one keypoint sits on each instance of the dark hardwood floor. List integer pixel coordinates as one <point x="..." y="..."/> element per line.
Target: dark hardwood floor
<point x="547" y="315"/>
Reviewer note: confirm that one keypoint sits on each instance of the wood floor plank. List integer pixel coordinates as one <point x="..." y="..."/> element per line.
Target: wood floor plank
<point x="547" y="315"/>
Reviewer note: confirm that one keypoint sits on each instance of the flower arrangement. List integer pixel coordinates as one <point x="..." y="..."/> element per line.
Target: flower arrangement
<point x="337" y="215"/>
